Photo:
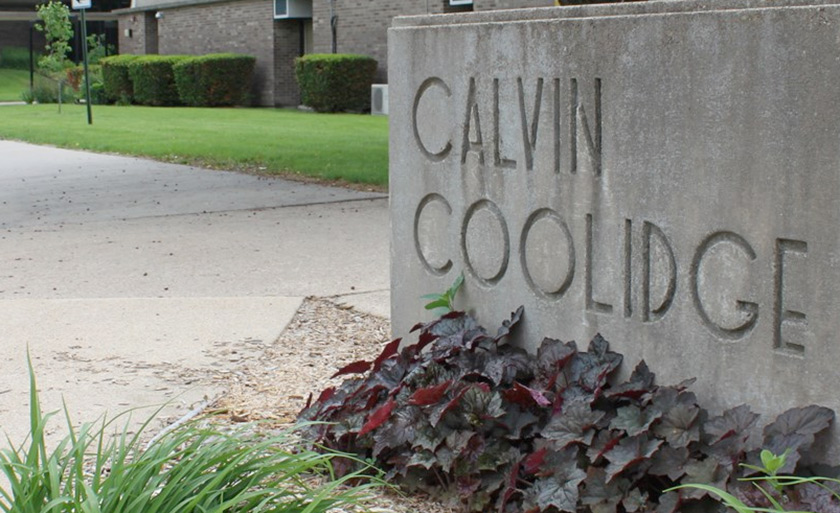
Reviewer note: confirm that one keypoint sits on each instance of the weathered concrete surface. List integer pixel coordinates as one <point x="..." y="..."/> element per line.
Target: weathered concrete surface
<point x="668" y="178"/>
<point x="134" y="282"/>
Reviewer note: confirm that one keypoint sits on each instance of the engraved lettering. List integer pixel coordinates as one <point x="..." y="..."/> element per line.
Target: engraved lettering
<point x="628" y="268"/>
<point x="748" y="308"/>
<point x="557" y="124"/>
<point x="649" y="231"/>
<point x="426" y="85"/>
<point x="579" y="120"/>
<point x="472" y="121"/>
<point x="498" y="159"/>
<point x="548" y="214"/>
<point x="429" y="198"/>
<point x="529" y="133"/>
<point x="491" y="207"/>
<point x="782" y="316"/>
<point x="591" y="304"/>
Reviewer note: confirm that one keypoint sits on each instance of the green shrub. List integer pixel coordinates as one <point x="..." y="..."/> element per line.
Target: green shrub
<point x="97" y="87"/>
<point x="215" y="79"/>
<point x="75" y="75"/>
<point x="14" y="57"/>
<point x="115" y="78"/>
<point x="45" y="90"/>
<point x="153" y="79"/>
<point x="335" y="82"/>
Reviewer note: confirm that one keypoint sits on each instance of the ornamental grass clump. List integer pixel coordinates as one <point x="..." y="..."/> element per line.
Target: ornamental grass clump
<point x="193" y="467"/>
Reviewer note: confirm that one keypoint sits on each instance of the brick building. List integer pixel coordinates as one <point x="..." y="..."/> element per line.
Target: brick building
<point x="278" y="31"/>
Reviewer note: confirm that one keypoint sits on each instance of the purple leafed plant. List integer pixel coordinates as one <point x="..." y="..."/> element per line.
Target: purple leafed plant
<point x="472" y="419"/>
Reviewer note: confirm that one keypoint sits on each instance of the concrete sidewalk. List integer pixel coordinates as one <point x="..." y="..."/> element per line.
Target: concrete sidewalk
<point x="129" y="279"/>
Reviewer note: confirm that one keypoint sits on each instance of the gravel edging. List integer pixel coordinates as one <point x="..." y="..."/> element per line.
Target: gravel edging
<point x="322" y="337"/>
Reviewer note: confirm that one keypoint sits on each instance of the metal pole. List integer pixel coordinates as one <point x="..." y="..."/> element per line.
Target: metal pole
<point x="333" y="24"/>
<point x="87" y="76"/>
<point x="31" y="62"/>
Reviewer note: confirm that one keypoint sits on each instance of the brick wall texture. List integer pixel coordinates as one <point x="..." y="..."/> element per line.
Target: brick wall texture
<point x="240" y="26"/>
<point x="244" y="26"/>
<point x="143" y="36"/>
<point x="287" y="47"/>
<point x="247" y="26"/>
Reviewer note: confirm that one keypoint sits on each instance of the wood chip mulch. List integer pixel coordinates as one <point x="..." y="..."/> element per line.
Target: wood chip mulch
<point x="322" y="337"/>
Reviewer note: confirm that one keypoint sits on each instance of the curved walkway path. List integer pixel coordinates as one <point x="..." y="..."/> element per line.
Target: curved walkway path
<point x="125" y="276"/>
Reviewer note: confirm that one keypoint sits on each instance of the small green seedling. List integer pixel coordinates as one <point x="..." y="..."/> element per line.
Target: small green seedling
<point x="444" y="303"/>
<point x="771" y="464"/>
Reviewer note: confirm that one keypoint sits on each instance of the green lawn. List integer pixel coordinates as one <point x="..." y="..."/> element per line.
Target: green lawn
<point x="12" y="83"/>
<point x="345" y="147"/>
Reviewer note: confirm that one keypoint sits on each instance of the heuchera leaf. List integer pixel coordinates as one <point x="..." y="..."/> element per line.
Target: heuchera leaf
<point x="639" y="384"/>
<point x="481" y="404"/>
<point x="524" y="396"/>
<point x="629" y="452"/>
<point x="559" y="490"/>
<point x="794" y="431"/>
<point x="811" y="497"/>
<point x="532" y="463"/>
<point x="668" y="503"/>
<point x="704" y="472"/>
<point x="669" y="461"/>
<point x="591" y="369"/>
<point x="429" y="395"/>
<point x="604" y="441"/>
<point x="326" y="394"/>
<point x="574" y="424"/>
<point x="809" y="420"/>
<point x="353" y="368"/>
<point x="602" y="496"/>
<point x="734" y="422"/>
<point x="425" y="459"/>
<point x="515" y="421"/>
<point x="553" y="355"/>
<point x="441" y="410"/>
<point x="508" y="366"/>
<point x="634" y="501"/>
<point x="633" y="420"/>
<point x="378" y="417"/>
<point x="504" y="329"/>
<point x="390" y="350"/>
<point x="680" y="425"/>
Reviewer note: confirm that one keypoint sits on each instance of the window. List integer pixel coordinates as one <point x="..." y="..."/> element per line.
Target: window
<point x="287" y="9"/>
<point x="460" y="2"/>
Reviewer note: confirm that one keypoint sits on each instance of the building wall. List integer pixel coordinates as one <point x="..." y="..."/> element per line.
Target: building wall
<point x="142" y="38"/>
<point x="363" y="26"/>
<point x="239" y="26"/>
<point x="247" y="26"/>
<point x="244" y="26"/>
<point x="287" y="47"/>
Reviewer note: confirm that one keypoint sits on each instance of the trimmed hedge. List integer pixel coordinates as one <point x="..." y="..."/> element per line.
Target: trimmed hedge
<point x="335" y="82"/>
<point x="15" y="57"/>
<point x="115" y="77"/>
<point x="154" y="80"/>
<point x="215" y="79"/>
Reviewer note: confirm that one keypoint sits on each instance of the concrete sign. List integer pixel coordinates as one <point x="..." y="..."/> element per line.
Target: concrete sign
<point x="662" y="173"/>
